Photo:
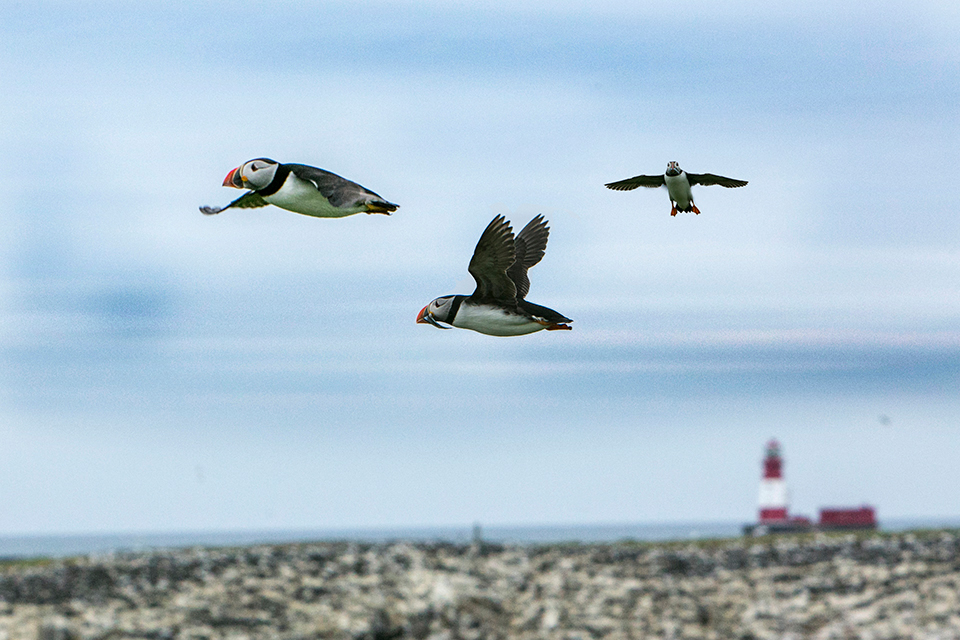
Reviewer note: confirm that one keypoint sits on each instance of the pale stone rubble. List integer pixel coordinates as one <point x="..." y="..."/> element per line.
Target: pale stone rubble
<point x="871" y="587"/>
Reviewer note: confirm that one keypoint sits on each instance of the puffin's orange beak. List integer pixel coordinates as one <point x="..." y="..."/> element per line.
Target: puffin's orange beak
<point x="232" y="179"/>
<point x="425" y="318"/>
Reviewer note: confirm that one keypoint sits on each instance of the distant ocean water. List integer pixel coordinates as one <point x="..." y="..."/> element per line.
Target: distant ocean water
<point x="85" y="544"/>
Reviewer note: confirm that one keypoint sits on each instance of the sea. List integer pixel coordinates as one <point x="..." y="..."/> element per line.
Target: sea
<point x="60" y="546"/>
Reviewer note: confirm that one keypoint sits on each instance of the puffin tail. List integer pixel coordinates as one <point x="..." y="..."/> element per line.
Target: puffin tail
<point x="381" y="206"/>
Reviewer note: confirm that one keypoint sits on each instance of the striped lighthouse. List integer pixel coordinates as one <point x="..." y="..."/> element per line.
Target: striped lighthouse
<point x="773" y="490"/>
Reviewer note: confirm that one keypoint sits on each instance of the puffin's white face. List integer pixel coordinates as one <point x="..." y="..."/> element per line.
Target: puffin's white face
<point x="436" y="312"/>
<point x="673" y="168"/>
<point x="258" y="173"/>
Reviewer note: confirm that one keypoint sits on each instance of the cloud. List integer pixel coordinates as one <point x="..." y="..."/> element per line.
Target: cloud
<point x="131" y="310"/>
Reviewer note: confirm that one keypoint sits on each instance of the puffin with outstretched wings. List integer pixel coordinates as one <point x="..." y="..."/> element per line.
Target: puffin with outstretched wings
<point x="678" y="183"/>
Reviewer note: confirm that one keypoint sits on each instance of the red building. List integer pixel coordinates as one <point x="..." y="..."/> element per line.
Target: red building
<point x="862" y="518"/>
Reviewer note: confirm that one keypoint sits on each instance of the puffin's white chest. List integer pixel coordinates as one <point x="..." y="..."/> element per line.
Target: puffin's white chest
<point x="493" y="321"/>
<point x="679" y="189"/>
<point x="301" y="196"/>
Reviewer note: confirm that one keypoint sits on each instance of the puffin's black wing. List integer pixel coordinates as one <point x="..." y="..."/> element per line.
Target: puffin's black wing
<point x="529" y="247"/>
<point x="634" y="182"/>
<point x="707" y="179"/>
<point x="339" y="191"/>
<point x="494" y="254"/>
<point x="249" y="200"/>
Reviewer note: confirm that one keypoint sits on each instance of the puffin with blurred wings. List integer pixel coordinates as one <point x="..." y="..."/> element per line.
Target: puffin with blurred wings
<point x="678" y="183"/>
<point x="299" y="188"/>
<point x="499" y="265"/>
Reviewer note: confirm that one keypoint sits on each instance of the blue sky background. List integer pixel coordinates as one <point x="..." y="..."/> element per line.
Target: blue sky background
<point x="161" y="370"/>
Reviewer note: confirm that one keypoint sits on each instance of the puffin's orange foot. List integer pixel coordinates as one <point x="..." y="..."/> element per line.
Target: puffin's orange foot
<point x="693" y="208"/>
<point x="559" y="327"/>
<point x="673" y="211"/>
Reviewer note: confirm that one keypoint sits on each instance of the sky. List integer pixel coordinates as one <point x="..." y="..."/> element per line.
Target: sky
<point x="161" y="370"/>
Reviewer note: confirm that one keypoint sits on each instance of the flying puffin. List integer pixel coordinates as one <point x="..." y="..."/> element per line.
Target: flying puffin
<point x="299" y="188"/>
<point x="678" y="185"/>
<point x="499" y="265"/>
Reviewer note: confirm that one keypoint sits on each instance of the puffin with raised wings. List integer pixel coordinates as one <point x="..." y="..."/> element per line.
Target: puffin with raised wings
<point x="678" y="183"/>
<point x="499" y="265"/>
<point x="299" y="188"/>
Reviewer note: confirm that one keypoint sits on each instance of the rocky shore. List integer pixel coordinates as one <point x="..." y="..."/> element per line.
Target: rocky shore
<point x="867" y="586"/>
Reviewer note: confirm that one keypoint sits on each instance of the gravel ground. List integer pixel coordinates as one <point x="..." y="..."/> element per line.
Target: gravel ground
<point x="875" y="586"/>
